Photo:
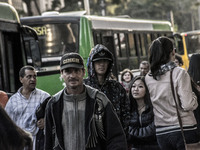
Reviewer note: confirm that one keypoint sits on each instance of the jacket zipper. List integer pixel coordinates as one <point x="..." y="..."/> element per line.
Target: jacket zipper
<point x="90" y="123"/>
<point x="55" y="126"/>
<point x="76" y="119"/>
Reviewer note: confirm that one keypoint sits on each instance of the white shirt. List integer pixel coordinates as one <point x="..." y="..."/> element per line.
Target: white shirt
<point x="22" y="110"/>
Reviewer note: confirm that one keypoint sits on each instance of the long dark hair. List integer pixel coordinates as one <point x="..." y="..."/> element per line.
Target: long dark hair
<point x="160" y="50"/>
<point x="133" y="103"/>
<point x="11" y="136"/>
<point x="194" y="69"/>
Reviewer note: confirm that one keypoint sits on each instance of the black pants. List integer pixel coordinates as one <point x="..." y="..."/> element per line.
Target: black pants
<point x="40" y="140"/>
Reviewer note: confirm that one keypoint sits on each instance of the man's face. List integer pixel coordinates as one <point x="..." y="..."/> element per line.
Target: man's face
<point x="29" y="80"/>
<point x="101" y="66"/>
<point x="73" y="77"/>
<point x="144" y="69"/>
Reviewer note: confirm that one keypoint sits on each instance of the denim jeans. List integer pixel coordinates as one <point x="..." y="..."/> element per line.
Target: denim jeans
<point x="174" y="141"/>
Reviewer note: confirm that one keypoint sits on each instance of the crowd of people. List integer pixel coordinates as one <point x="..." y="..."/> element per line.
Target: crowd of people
<point x="99" y="112"/>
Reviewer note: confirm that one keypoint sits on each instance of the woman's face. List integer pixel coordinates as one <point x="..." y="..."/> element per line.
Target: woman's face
<point x="127" y="77"/>
<point x="177" y="62"/>
<point x="138" y="89"/>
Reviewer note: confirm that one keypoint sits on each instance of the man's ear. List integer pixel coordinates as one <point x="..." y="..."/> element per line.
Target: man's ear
<point x="61" y="74"/>
<point x="20" y="79"/>
<point x="84" y="72"/>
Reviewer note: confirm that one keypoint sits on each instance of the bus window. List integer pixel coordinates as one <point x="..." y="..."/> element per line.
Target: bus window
<point x="193" y="44"/>
<point x="131" y="45"/>
<point x="97" y="38"/>
<point x="31" y="44"/>
<point x="142" y="47"/>
<point x="57" y="39"/>
<point x="133" y="59"/>
<point x="117" y="46"/>
<point x="121" y="51"/>
<point x="148" y="40"/>
<point x="178" y="44"/>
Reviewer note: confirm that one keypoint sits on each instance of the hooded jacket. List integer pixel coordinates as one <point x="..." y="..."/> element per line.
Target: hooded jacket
<point x="111" y="136"/>
<point x="111" y="88"/>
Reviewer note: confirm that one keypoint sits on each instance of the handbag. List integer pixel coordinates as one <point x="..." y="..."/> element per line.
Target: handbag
<point x="193" y="146"/>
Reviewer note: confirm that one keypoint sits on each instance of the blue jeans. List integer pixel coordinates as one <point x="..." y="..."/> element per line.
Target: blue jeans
<point x="174" y="141"/>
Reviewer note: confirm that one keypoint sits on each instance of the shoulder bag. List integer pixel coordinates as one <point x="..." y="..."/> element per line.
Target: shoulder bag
<point x="193" y="146"/>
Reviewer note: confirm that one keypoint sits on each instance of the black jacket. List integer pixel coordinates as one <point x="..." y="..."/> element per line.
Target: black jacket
<point x="114" y="135"/>
<point x="111" y="88"/>
<point x="143" y="133"/>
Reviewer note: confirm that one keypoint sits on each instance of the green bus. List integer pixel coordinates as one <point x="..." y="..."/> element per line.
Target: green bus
<point x="16" y="41"/>
<point x="128" y="39"/>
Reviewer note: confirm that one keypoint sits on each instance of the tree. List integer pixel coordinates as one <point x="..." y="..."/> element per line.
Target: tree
<point x="184" y="11"/>
<point x="28" y="4"/>
<point x="72" y="5"/>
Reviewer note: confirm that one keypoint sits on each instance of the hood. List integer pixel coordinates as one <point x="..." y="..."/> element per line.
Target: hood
<point x="90" y="64"/>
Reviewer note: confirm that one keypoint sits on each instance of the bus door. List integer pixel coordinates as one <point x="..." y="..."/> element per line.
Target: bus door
<point x="11" y="58"/>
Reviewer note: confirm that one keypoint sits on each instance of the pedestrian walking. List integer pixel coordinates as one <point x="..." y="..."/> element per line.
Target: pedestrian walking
<point x="22" y="106"/>
<point x="162" y="66"/>
<point x="142" y="131"/>
<point x="100" y="65"/>
<point x="80" y="117"/>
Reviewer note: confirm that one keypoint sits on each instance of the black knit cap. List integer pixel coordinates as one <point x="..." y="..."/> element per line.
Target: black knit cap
<point x="71" y="60"/>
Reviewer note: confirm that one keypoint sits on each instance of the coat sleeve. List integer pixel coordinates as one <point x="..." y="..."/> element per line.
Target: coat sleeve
<point x="115" y="136"/>
<point x="48" y="128"/>
<point x="143" y="133"/>
<point x="187" y="98"/>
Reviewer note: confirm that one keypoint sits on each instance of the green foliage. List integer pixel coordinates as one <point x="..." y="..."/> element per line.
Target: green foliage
<point x="72" y="5"/>
<point x="184" y="11"/>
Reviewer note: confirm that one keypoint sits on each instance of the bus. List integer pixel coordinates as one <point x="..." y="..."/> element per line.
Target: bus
<point x="15" y="52"/>
<point x="128" y="39"/>
<point x="188" y="44"/>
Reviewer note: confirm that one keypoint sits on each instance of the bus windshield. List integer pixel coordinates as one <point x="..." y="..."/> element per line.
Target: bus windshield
<point x="193" y="43"/>
<point x="57" y="39"/>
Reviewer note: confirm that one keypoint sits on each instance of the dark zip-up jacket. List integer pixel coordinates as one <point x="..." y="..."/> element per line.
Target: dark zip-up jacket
<point x="142" y="132"/>
<point x="111" y="88"/>
<point x="111" y="138"/>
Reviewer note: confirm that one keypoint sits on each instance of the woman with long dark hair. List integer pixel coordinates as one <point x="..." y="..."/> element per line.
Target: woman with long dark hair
<point x="168" y="131"/>
<point x="11" y="136"/>
<point x="142" y="134"/>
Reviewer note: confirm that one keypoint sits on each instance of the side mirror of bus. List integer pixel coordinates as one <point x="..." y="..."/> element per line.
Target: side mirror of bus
<point x="31" y="46"/>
